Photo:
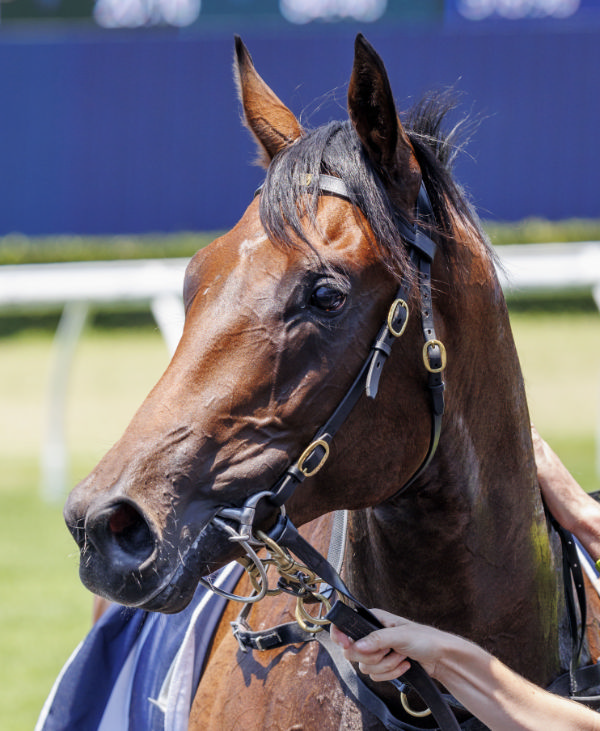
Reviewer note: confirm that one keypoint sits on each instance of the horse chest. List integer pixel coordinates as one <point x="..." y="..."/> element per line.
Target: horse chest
<point x="293" y="689"/>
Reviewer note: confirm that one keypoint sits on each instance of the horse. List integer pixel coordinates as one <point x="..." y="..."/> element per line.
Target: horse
<point x="446" y="524"/>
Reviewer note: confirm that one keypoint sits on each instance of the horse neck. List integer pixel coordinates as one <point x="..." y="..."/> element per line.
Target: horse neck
<point x="466" y="547"/>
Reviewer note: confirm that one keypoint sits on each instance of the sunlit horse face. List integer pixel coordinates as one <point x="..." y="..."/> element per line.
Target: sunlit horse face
<point x="274" y="335"/>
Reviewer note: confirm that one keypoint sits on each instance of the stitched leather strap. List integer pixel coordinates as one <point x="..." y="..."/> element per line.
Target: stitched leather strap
<point x="284" y="634"/>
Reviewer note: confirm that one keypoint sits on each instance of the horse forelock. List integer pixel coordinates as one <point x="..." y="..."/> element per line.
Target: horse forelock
<point x="289" y="197"/>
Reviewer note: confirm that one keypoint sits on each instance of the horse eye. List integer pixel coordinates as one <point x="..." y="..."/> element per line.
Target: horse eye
<point x="327" y="298"/>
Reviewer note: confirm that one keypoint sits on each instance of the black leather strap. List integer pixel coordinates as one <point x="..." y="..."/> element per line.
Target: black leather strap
<point x="297" y="472"/>
<point x="363" y="695"/>
<point x="576" y="611"/>
<point x="389" y="333"/>
<point x="284" y="634"/>
<point x="333" y="186"/>
<point x="434" y="356"/>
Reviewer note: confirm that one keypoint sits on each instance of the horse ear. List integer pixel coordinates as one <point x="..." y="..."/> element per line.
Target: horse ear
<point x="270" y="121"/>
<point x="375" y="119"/>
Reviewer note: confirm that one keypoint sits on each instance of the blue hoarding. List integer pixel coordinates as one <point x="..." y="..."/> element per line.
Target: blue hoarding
<point x="119" y="132"/>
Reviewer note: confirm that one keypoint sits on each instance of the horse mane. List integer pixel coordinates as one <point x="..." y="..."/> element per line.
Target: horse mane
<point x="289" y="196"/>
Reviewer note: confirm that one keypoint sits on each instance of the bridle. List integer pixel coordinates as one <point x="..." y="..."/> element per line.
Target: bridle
<point x="283" y="537"/>
<point x="313" y="457"/>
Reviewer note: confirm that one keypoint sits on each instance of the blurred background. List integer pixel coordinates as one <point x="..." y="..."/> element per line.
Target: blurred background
<point x="120" y="139"/>
<point x="120" y="116"/>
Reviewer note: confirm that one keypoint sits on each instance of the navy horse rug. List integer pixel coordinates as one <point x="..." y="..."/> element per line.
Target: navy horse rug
<point x="138" y="670"/>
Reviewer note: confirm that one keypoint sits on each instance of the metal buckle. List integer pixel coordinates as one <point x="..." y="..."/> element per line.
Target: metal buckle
<point x="307" y="453"/>
<point x="259" y="641"/>
<point x="391" y="314"/>
<point x="410" y="711"/>
<point x="427" y="362"/>
<point x="236" y="629"/>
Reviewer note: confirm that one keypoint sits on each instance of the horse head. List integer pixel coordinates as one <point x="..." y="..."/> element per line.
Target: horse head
<point x="281" y="315"/>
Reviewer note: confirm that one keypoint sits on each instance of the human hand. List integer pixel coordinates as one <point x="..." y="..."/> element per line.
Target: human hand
<point x="573" y="508"/>
<point x="383" y="653"/>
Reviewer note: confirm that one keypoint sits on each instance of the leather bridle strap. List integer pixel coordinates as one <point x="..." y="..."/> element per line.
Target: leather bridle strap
<point x="421" y="252"/>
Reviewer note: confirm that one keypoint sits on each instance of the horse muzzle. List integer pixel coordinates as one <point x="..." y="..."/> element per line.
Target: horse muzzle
<point x="124" y="557"/>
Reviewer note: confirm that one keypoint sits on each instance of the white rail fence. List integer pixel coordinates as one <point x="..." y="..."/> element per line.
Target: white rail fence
<point x="77" y="288"/>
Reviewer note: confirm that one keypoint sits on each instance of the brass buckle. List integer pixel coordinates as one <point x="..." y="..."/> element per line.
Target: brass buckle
<point x="392" y="311"/>
<point x="306" y="454"/>
<point x="431" y="343"/>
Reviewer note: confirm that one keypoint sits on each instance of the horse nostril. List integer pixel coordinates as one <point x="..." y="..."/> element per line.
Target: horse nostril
<point x="121" y="531"/>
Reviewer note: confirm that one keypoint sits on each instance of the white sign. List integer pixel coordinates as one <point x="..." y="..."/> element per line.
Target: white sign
<point x="517" y="9"/>
<point x="139" y="13"/>
<point x="303" y="11"/>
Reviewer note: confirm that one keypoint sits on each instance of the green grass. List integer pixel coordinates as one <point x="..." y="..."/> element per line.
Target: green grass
<point x="20" y="249"/>
<point x="542" y="231"/>
<point x="560" y="358"/>
<point x="44" y="611"/>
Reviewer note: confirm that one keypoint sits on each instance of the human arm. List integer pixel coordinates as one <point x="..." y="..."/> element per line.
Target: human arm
<point x="498" y="696"/>
<point x="573" y="508"/>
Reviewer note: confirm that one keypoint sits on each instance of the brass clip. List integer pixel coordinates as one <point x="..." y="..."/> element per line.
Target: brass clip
<point x="306" y="620"/>
<point x="410" y="711"/>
